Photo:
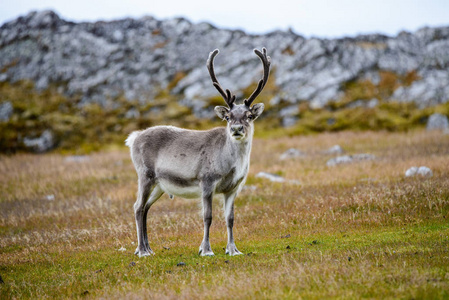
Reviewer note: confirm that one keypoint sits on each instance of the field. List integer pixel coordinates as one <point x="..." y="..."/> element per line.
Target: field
<point x="358" y="230"/>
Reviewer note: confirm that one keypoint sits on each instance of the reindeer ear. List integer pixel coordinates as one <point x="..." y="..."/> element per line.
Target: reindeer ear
<point x="257" y="110"/>
<point x="221" y="111"/>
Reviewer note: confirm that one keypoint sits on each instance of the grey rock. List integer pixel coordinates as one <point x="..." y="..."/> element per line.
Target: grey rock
<point x="372" y="103"/>
<point x="339" y="160"/>
<point x="77" y="158"/>
<point x="40" y="144"/>
<point x="132" y="113"/>
<point x="289" y="121"/>
<point x="138" y="58"/>
<point x="270" y="176"/>
<point x="411" y="172"/>
<point x="421" y="171"/>
<point x="6" y="111"/>
<point x="336" y="149"/>
<point x="291" y="153"/>
<point x="364" y="103"/>
<point x="288" y="115"/>
<point x="345" y="159"/>
<point x="437" y="122"/>
<point x="432" y="89"/>
<point x="424" y="171"/>
<point x="363" y="156"/>
<point x="288" y="111"/>
<point x="50" y="197"/>
<point x="276" y="178"/>
<point x="251" y="188"/>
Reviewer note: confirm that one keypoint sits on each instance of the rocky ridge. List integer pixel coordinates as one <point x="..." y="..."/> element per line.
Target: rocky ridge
<point x="139" y="58"/>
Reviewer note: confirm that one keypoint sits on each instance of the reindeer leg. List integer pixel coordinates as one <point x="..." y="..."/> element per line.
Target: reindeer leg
<point x="145" y="187"/>
<point x="205" y="248"/>
<point x="231" y="249"/>
<point x="155" y="195"/>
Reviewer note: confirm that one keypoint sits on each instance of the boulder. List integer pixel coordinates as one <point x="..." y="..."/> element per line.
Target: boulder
<point x="270" y="176"/>
<point x="6" y="111"/>
<point x="336" y="149"/>
<point x="437" y="122"/>
<point x="344" y="159"/>
<point x="43" y="143"/>
<point x="291" y="153"/>
<point x="421" y="171"/>
<point x="276" y="178"/>
<point x="139" y="58"/>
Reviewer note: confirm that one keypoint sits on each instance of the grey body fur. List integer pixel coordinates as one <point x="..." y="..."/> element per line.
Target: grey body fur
<point x="195" y="164"/>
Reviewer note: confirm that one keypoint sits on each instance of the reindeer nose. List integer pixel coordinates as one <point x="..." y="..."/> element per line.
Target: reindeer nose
<point x="237" y="128"/>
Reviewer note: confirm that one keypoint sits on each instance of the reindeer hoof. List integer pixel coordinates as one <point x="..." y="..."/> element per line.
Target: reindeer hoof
<point x="201" y="252"/>
<point x="232" y="250"/>
<point x="144" y="252"/>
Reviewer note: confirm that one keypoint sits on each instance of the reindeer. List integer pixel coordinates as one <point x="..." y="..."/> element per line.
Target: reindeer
<point x="193" y="164"/>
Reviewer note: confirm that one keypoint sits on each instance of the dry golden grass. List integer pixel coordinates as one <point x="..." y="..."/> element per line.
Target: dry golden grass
<point x="360" y="230"/>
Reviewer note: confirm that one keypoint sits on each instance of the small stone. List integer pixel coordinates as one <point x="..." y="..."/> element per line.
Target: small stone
<point x="132" y="113"/>
<point x="291" y="153"/>
<point x="289" y="121"/>
<point x="99" y="271"/>
<point x="77" y="158"/>
<point x="344" y="159"/>
<point x="336" y="149"/>
<point x="122" y="249"/>
<point x="288" y="247"/>
<point x="411" y="172"/>
<point x="363" y="156"/>
<point x="132" y="264"/>
<point x="339" y="160"/>
<point x="41" y="144"/>
<point x="285" y="236"/>
<point x="166" y="248"/>
<point x="50" y="197"/>
<point x="294" y="182"/>
<point x="6" y="111"/>
<point x="424" y="171"/>
<point x="437" y="122"/>
<point x="250" y="187"/>
<point x="372" y="103"/>
<point x="270" y="176"/>
<point x="181" y="264"/>
<point x="349" y="258"/>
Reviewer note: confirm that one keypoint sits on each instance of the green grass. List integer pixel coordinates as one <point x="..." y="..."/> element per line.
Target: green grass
<point x="352" y="231"/>
<point x="82" y="128"/>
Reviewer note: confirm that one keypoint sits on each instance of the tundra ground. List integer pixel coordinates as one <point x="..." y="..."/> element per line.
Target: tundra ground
<point x="359" y="230"/>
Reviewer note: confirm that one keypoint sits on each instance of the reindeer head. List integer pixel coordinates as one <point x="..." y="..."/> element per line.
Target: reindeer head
<point x="240" y="117"/>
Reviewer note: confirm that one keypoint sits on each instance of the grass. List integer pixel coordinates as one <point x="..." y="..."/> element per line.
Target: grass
<point x="80" y="128"/>
<point x="360" y="230"/>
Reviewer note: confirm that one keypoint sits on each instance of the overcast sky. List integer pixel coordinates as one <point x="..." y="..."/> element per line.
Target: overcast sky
<point x="319" y="18"/>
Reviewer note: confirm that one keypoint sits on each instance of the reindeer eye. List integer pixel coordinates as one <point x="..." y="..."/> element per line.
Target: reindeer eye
<point x="227" y="118"/>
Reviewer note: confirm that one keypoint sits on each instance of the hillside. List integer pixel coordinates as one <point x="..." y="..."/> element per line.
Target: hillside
<point x="140" y="57"/>
<point x="159" y="67"/>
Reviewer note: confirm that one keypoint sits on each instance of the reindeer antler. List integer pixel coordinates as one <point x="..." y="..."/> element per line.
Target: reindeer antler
<point x="266" y="61"/>
<point x="227" y="96"/>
